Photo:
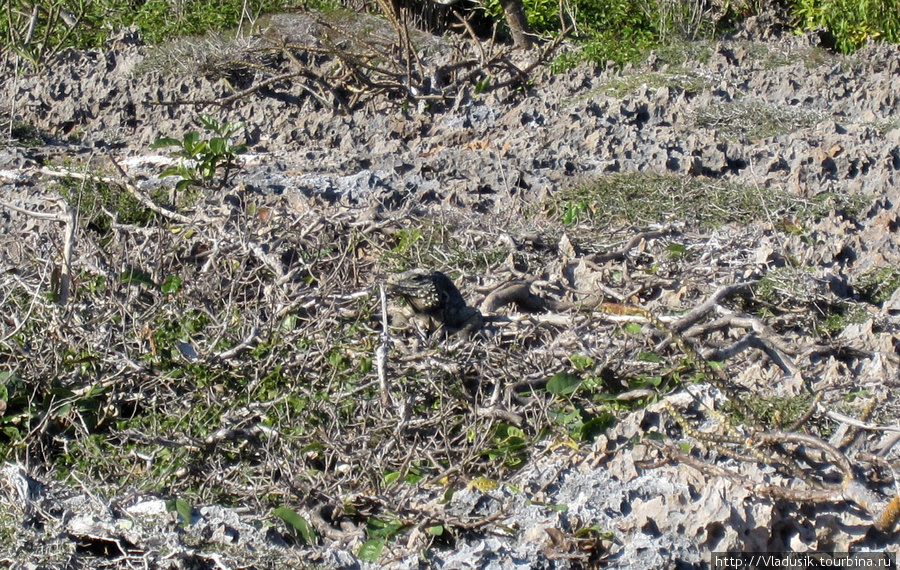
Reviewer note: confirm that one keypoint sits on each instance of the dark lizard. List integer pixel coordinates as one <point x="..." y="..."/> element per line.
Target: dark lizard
<point x="433" y="294"/>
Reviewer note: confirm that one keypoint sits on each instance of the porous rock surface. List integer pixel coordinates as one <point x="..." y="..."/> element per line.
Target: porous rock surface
<point x="839" y="133"/>
<point x="835" y="116"/>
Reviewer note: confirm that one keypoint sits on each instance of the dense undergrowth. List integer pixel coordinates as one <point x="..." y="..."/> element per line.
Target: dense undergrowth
<point x="605" y="30"/>
<point x="236" y="364"/>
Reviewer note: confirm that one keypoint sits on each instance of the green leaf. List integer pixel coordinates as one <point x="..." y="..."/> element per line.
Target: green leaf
<point x="377" y="528"/>
<point x="217" y="145"/>
<point x="482" y="86"/>
<point x="676" y="250"/>
<point x="231" y="129"/>
<point x="171" y="285"/>
<point x="850" y="396"/>
<point x="63" y="410"/>
<point x="298" y="525"/>
<point x="312" y="447"/>
<point x="596" y="426"/>
<point x="134" y="275"/>
<point x="413" y="477"/>
<point x="566" y="418"/>
<point x="289" y="323"/>
<point x="172" y="171"/>
<point x="507" y="431"/>
<point x="183" y="508"/>
<point x="633" y="329"/>
<point x="563" y="383"/>
<point x="61" y="392"/>
<point x="581" y="362"/>
<point x="183" y="185"/>
<point x="337" y="360"/>
<point x="436" y="530"/>
<point x="210" y="123"/>
<point x="207" y="168"/>
<point x="371" y="550"/>
<point x="648" y="357"/>
<point x="165" y="141"/>
<point x="190" y="141"/>
<point x="448" y="495"/>
<point x="391" y="477"/>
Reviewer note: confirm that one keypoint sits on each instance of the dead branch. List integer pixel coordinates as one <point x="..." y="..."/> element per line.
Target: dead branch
<point x="709" y="304"/>
<point x="68" y="217"/>
<point x="622" y="252"/>
<point x="748" y="341"/>
<point x="381" y="353"/>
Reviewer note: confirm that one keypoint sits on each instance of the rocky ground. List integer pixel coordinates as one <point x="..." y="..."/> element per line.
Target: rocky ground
<point x="812" y="137"/>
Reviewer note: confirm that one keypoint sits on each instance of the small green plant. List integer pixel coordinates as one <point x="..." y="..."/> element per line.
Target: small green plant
<point x="19" y="133"/>
<point x="406" y="239"/>
<point x="617" y="46"/>
<point x="574" y="211"/>
<point x="37" y="31"/>
<point x="780" y="411"/>
<point x="379" y="531"/>
<point x="510" y="447"/>
<point x="878" y="285"/>
<point x="201" y="159"/>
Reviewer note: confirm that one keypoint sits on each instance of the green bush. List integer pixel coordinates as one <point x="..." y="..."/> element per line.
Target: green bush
<point x="618" y="30"/>
<point x="630" y="17"/>
<point x="850" y="22"/>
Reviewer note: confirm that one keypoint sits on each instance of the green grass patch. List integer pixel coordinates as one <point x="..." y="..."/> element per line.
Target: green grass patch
<point x="645" y="198"/>
<point x="99" y="204"/>
<point x="799" y="292"/>
<point x="681" y="53"/>
<point x="754" y="120"/>
<point x="678" y="79"/>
